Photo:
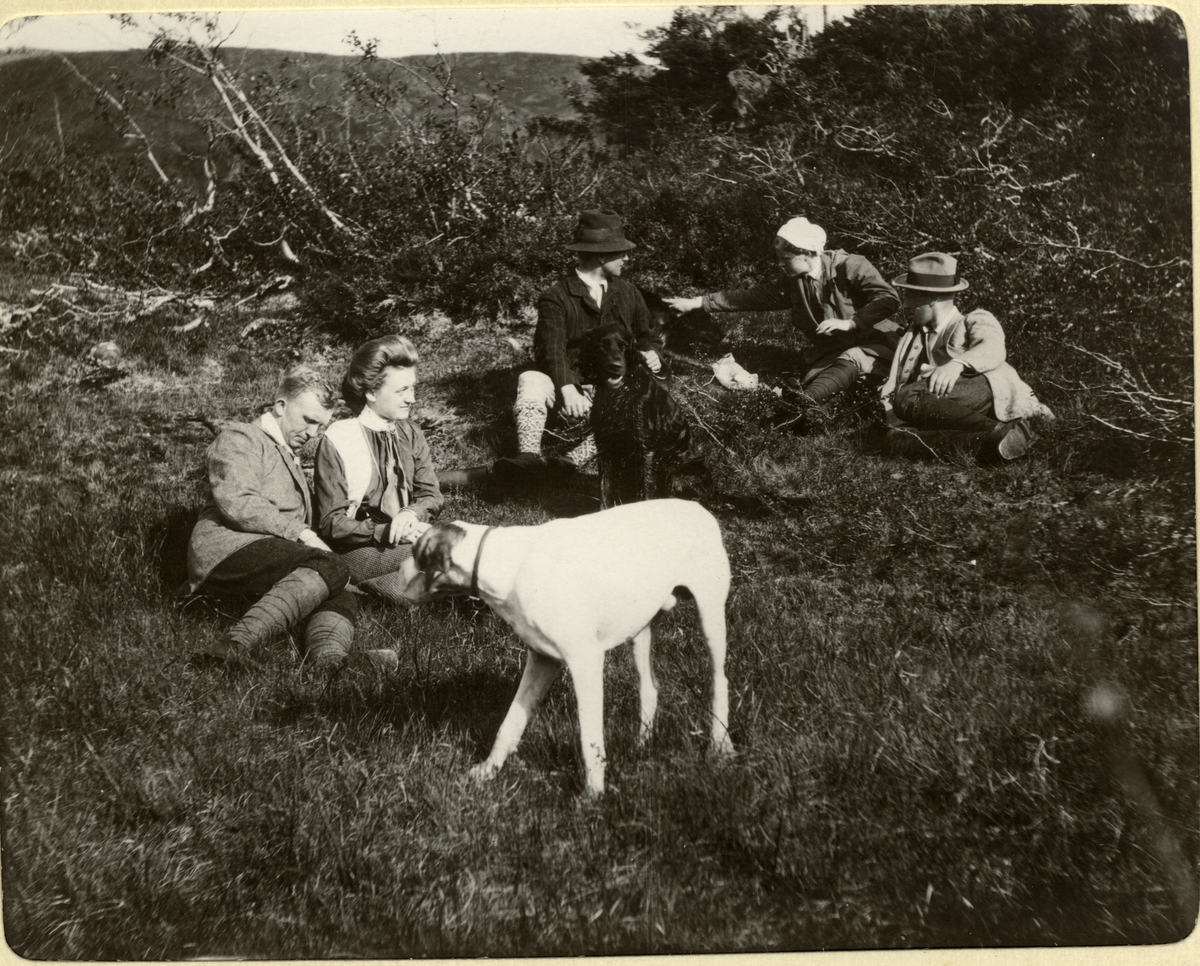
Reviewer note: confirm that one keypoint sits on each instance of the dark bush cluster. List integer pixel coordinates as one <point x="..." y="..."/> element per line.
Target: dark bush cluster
<point x="1046" y="146"/>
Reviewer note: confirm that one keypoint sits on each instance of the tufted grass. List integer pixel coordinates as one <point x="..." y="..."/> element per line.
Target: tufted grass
<point x="912" y="652"/>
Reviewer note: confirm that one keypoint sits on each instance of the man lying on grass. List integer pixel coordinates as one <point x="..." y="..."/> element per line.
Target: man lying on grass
<point x="837" y="300"/>
<point x="254" y="540"/>
<point x="949" y="387"/>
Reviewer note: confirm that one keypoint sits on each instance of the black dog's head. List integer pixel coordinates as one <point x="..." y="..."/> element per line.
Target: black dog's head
<point x="693" y="332"/>
<point x="604" y="354"/>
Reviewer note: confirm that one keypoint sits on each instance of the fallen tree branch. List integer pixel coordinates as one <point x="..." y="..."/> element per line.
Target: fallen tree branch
<point x="188" y="326"/>
<point x="264" y="322"/>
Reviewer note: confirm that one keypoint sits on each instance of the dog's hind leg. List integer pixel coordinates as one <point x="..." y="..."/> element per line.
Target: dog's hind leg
<point x="647" y="682"/>
<point x="711" y="606"/>
<point x="540" y="672"/>
<point x="586" y="664"/>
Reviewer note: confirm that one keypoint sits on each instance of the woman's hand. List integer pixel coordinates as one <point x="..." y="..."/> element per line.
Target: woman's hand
<point x="404" y="528"/>
<point x="575" y="403"/>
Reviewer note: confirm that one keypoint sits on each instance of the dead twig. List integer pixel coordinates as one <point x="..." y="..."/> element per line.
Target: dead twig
<point x="1172" y="418"/>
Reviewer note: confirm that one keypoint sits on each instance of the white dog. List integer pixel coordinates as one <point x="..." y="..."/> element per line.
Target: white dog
<point x="572" y="589"/>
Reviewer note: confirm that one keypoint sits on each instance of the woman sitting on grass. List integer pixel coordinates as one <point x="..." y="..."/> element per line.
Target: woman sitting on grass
<point x="376" y="489"/>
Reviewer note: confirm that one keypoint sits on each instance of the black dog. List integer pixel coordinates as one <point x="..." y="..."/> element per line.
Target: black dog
<point x="644" y="443"/>
<point x="695" y="333"/>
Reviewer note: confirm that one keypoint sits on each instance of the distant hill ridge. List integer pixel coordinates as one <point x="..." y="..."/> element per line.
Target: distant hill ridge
<point x="40" y="96"/>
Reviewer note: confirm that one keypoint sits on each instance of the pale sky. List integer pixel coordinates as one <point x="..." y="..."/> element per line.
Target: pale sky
<point x="588" y="31"/>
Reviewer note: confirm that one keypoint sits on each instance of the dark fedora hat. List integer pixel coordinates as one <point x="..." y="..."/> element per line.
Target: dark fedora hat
<point x="599" y="230"/>
<point x="932" y="272"/>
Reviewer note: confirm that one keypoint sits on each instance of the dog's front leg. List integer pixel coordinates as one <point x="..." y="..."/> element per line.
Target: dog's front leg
<point x="607" y="485"/>
<point x="540" y="672"/>
<point x="647" y="683"/>
<point x="586" y="665"/>
<point x="649" y="484"/>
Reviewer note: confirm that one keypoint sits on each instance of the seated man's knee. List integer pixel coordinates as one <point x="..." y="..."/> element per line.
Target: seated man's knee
<point x="535" y="388"/>
<point x="862" y="362"/>
<point x="909" y="401"/>
<point x="331" y="568"/>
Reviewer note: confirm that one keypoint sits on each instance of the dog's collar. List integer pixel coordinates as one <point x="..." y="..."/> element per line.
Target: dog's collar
<point x="475" y="568"/>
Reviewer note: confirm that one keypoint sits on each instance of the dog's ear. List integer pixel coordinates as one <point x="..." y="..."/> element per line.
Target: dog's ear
<point x="433" y="549"/>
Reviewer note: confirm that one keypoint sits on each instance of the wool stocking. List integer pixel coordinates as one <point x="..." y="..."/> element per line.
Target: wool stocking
<point x="327" y="638"/>
<point x="831" y="380"/>
<point x="292" y="598"/>
<point x="585" y="451"/>
<point x="530" y="417"/>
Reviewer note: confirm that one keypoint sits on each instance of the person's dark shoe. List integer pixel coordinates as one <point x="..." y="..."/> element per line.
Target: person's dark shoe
<point x="521" y="468"/>
<point x="1014" y="440"/>
<point x="531" y="468"/>
<point x="558" y="466"/>
<point x="874" y="435"/>
<point x="791" y="390"/>
<point x="471" y="476"/>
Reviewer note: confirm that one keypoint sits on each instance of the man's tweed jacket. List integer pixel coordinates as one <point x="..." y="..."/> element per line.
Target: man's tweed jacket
<point x="258" y="490"/>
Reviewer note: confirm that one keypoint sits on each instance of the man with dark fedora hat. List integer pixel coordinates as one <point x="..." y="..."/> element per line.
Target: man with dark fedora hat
<point x="593" y="294"/>
<point x="949" y="385"/>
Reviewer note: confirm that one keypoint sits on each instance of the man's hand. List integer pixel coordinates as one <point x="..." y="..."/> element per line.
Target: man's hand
<point x="310" y="539"/>
<point x="943" y="378"/>
<point x="404" y="528"/>
<point x="575" y="403"/>
<point x="652" y="360"/>
<point x="830" y="326"/>
<point x="681" y="305"/>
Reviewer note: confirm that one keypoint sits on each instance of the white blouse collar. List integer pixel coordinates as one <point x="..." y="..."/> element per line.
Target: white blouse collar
<point x="373" y="421"/>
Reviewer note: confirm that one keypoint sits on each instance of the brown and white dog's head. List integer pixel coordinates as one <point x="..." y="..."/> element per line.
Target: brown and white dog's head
<point x="434" y="554"/>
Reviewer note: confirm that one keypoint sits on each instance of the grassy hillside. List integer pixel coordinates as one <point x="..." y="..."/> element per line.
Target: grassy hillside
<point x="40" y="96"/>
<point x="964" y="698"/>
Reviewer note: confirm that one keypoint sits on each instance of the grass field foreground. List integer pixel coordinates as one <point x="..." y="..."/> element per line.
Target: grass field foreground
<point x="964" y="698"/>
